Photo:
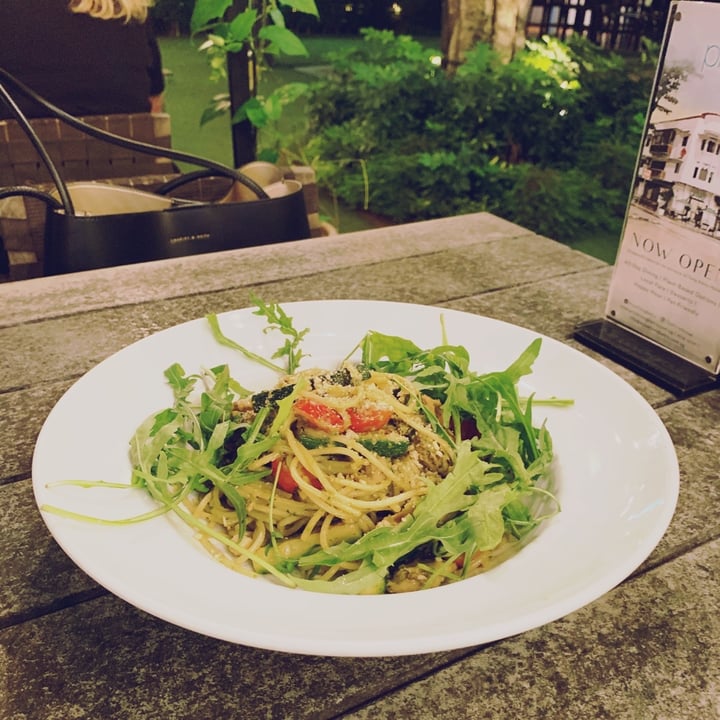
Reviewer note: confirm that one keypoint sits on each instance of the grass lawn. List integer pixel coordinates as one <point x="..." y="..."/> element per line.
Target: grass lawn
<point x="604" y="247"/>
<point x="189" y="90"/>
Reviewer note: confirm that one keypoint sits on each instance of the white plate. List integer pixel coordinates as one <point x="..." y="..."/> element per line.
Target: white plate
<point x="616" y="471"/>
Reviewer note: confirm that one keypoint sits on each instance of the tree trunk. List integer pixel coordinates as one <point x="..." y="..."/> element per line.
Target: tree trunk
<point x="500" y="23"/>
<point x="242" y="85"/>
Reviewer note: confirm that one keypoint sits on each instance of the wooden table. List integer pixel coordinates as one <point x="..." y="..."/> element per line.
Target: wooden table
<point x="650" y="648"/>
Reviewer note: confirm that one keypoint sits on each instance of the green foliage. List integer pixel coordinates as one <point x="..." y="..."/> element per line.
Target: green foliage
<point x="259" y="31"/>
<point x="548" y="140"/>
<point x="565" y="204"/>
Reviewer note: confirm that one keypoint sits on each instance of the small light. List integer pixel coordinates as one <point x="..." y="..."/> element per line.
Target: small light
<point x="436" y="60"/>
<point x="396" y="9"/>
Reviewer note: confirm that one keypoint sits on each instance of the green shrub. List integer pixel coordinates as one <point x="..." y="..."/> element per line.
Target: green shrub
<point x="567" y="205"/>
<point x="548" y="140"/>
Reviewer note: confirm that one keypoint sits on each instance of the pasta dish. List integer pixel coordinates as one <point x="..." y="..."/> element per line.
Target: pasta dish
<point x="401" y="471"/>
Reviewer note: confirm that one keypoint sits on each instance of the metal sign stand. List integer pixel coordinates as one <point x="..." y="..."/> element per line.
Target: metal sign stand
<point x="646" y="358"/>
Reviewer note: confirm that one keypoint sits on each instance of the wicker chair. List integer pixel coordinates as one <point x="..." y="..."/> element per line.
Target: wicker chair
<point x="80" y="157"/>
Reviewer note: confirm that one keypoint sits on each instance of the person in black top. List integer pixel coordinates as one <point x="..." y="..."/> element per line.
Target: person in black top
<point x="88" y="57"/>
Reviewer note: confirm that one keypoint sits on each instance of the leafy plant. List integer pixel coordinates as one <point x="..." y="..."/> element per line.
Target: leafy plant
<point x="260" y="31"/>
<point x="548" y="140"/>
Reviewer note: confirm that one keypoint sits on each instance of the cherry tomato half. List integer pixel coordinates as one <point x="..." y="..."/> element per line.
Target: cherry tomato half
<point x="367" y="419"/>
<point x="285" y="479"/>
<point x="319" y="415"/>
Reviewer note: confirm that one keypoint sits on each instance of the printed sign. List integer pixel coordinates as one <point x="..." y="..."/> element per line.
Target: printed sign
<point x="666" y="281"/>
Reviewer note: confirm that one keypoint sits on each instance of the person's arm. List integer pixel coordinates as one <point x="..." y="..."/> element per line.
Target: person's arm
<point x="157" y="103"/>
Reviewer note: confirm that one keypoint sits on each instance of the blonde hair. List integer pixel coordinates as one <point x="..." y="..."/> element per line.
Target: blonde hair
<point x="113" y="9"/>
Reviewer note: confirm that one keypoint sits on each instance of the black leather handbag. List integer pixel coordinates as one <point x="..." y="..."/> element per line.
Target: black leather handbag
<point x="92" y="225"/>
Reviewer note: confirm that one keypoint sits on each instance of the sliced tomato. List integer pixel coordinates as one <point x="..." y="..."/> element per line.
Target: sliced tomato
<point x="368" y="418"/>
<point x="320" y="415"/>
<point x="285" y="479"/>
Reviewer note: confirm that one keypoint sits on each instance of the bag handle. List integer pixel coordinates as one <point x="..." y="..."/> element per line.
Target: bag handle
<point x="24" y="123"/>
<point x="167" y="187"/>
<point x="30" y="191"/>
<point x="211" y="166"/>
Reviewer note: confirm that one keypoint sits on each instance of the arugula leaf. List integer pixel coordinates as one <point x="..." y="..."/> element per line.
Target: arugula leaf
<point x="279" y="320"/>
<point x="388" y="352"/>
<point x="222" y="339"/>
<point x="485" y="516"/>
<point x="163" y="418"/>
<point x="181" y="384"/>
